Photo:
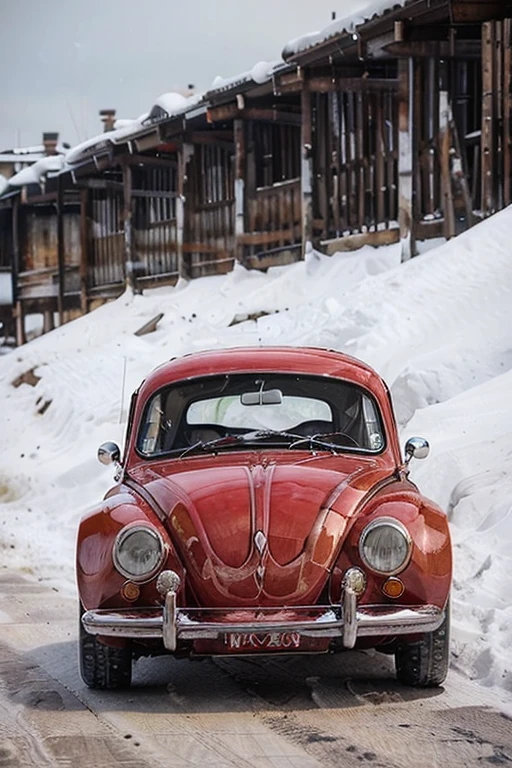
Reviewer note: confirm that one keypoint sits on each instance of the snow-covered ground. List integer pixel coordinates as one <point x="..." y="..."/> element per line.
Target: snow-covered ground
<point x="437" y="328"/>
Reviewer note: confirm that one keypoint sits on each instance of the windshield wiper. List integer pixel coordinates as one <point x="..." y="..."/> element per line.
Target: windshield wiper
<point x="249" y="437"/>
<point x="218" y="442"/>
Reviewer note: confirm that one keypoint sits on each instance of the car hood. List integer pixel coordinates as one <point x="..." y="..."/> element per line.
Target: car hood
<point x="259" y="530"/>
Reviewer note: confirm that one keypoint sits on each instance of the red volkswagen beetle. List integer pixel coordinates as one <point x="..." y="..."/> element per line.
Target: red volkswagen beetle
<point x="263" y="506"/>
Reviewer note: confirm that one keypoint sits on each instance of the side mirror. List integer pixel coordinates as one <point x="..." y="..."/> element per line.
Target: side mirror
<point x="417" y="448"/>
<point x="109" y="453"/>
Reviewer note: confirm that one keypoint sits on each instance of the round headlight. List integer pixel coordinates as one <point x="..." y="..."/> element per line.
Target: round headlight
<point x="385" y="546"/>
<point x="138" y="552"/>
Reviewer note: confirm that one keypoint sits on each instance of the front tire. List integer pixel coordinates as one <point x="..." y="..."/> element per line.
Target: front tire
<point x="424" y="664"/>
<point x="103" y="666"/>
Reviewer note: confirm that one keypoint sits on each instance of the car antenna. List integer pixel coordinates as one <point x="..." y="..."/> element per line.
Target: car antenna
<point x="122" y="390"/>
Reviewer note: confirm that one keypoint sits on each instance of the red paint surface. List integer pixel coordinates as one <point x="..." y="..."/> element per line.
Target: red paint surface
<point x="311" y="509"/>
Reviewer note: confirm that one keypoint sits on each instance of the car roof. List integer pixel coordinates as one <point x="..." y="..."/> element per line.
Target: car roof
<point x="310" y="361"/>
<point x="306" y="360"/>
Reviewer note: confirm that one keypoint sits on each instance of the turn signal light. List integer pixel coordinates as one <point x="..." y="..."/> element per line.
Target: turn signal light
<point x="130" y="591"/>
<point x="393" y="587"/>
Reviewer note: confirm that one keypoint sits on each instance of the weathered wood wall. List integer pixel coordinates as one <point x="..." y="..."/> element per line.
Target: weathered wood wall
<point x="405" y="133"/>
<point x="272" y="231"/>
<point x="209" y="226"/>
<point x="355" y="138"/>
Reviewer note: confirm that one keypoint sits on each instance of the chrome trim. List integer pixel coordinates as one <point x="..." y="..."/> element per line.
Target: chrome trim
<point x="168" y="584"/>
<point x="416" y="448"/>
<point x="392" y="522"/>
<point x="130" y="528"/>
<point x="109" y="453"/>
<point x="350" y="617"/>
<point x="348" y="622"/>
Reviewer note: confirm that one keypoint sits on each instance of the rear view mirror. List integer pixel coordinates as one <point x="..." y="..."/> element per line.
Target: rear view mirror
<point x="263" y="397"/>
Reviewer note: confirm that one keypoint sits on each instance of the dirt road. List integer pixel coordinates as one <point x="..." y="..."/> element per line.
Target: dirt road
<point x="307" y="712"/>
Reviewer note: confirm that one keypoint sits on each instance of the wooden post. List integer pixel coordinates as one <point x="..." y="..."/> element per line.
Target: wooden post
<point x="60" y="249"/>
<point x="406" y="156"/>
<point x="17" y="303"/>
<point x="48" y="322"/>
<point x="306" y="169"/>
<point x="129" y="245"/>
<point x="507" y="111"/>
<point x="84" y="249"/>
<point x="240" y="153"/>
<point x="380" y="161"/>
<point x="488" y="138"/>
<point x="444" y="152"/>
<point x="184" y="155"/>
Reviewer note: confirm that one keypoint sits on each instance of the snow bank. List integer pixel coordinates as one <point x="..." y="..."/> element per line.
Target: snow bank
<point x="437" y="327"/>
<point x="339" y="26"/>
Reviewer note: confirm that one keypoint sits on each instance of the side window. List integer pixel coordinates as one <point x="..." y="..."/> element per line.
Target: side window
<point x="148" y="441"/>
<point x="375" y="440"/>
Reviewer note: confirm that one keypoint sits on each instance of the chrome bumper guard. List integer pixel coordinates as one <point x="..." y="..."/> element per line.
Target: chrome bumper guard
<point x="347" y="621"/>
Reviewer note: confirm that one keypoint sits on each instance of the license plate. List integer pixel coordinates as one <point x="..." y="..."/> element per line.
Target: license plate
<point x="255" y="641"/>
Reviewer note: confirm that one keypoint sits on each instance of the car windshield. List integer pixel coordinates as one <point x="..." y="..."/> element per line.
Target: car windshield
<point x="267" y="409"/>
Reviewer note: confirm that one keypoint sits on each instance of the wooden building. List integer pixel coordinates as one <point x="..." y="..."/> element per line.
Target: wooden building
<point x="391" y="128"/>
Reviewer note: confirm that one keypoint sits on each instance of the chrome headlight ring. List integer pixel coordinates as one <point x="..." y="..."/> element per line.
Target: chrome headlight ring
<point x="398" y="539"/>
<point x="145" y="553"/>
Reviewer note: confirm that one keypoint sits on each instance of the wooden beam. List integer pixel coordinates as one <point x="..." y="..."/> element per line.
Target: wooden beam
<point x="290" y="82"/>
<point x="60" y="249"/>
<point x="222" y="113"/>
<point x="17" y="303"/>
<point x="148" y="160"/>
<point x="129" y="244"/>
<point x="218" y="138"/>
<point x="84" y="248"/>
<point x="406" y="156"/>
<point x="476" y="11"/>
<point x="270" y="238"/>
<point x="307" y="170"/>
<point x="272" y="115"/>
<point x="182" y="209"/>
<point x="355" y="242"/>
<point x="488" y="137"/>
<point x="507" y="112"/>
<point x="445" y="118"/>
<point x="99" y="184"/>
<point x="240" y="155"/>
<point x="439" y="49"/>
<point x="327" y="84"/>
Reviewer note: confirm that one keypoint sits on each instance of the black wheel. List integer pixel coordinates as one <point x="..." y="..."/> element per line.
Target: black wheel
<point x="103" y="666"/>
<point x="424" y="664"/>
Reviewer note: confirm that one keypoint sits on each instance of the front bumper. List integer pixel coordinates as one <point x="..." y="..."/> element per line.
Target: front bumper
<point x="347" y="621"/>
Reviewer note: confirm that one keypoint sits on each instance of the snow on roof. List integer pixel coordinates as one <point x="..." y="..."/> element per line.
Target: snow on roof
<point x="337" y="27"/>
<point x="3" y="183"/>
<point x="166" y="105"/>
<point x="31" y="154"/>
<point x="35" y="173"/>
<point x="10" y="157"/>
<point x="173" y="104"/>
<point x="260" y="73"/>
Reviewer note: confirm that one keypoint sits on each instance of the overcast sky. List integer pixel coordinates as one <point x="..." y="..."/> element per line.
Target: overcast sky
<point x="63" y="60"/>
